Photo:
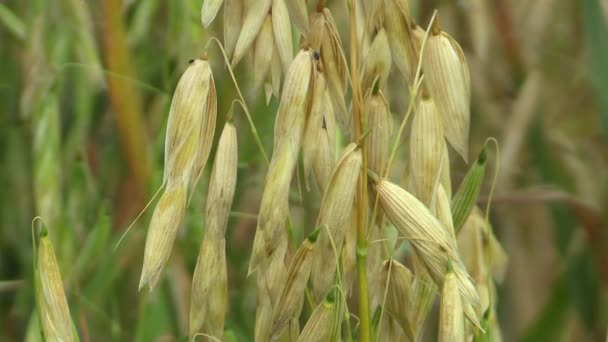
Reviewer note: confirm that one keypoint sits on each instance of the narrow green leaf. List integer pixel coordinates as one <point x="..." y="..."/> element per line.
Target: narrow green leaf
<point x="12" y="22"/>
<point x="596" y="31"/>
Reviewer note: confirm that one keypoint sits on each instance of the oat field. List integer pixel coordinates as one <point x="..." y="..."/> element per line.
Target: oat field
<point x="303" y="170"/>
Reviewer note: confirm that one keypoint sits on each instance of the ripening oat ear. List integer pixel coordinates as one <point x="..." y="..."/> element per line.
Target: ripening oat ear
<point x="451" y="319"/>
<point x="233" y="19"/>
<point x="288" y="134"/>
<point x="281" y="25"/>
<point x="191" y="124"/>
<point x="314" y="123"/>
<point x="325" y="158"/>
<point x="291" y="300"/>
<point x="324" y="322"/>
<point x="398" y="22"/>
<point x="326" y="36"/>
<point x="209" y="11"/>
<point x="426" y="148"/>
<point x="447" y="75"/>
<point x="466" y="196"/>
<point x="378" y="141"/>
<point x="53" y="308"/>
<point x="377" y="62"/>
<point x="299" y="12"/>
<point x="255" y="14"/>
<point x="295" y="100"/>
<point x="334" y="218"/>
<point x="432" y="242"/>
<point x="209" y="295"/>
<point x="399" y="298"/>
<point x="262" y="52"/>
<point x="166" y="219"/>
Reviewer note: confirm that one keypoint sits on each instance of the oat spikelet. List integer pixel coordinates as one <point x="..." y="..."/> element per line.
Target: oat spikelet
<point x="166" y="219"/>
<point x="326" y="36"/>
<point x="299" y="12"/>
<point x="233" y="19"/>
<point x="255" y="14"/>
<point x="324" y="322"/>
<point x="447" y="75"/>
<point x="334" y="218"/>
<point x="209" y="11"/>
<point x="222" y="183"/>
<point x="426" y="147"/>
<point x="209" y="296"/>
<point x="52" y="304"/>
<point x="434" y="245"/>
<point x="314" y="126"/>
<point x="451" y="319"/>
<point x="293" y="107"/>
<point x="193" y="112"/>
<point x="378" y="141"/>
<point x="281" y="25"/>
<point x="291" y="300"/>
<point x="288" y="134"/>
<point x="377" y="62"/>
<point x="398" y="22"/>
<point x="325" y="158"/>
<point x="262" y="53"/>
<point x="399" y="300"/>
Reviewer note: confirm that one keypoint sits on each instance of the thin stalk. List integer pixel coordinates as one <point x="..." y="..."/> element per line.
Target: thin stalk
<point x="125" y="99"/>
<point x="360" y="123"/>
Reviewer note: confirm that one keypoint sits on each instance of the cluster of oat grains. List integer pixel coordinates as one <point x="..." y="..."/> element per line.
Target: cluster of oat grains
<point x="342" y="145"/>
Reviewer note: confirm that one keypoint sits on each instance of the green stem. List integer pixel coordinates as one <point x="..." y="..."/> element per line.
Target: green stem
<point x="359" y="123"/>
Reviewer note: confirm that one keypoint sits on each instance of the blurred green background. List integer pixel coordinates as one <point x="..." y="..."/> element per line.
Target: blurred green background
<point x="85" y="88"/>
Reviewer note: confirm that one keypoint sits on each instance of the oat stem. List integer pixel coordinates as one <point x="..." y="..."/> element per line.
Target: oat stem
<point x="360" y="125"/>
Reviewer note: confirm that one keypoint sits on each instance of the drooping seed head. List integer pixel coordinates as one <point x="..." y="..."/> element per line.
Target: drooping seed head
<point x="397" y="22"/>
<point x="281" y="25"/>
<point x="191" y="124"/>
<point x="291" y="300"/>
<point x="451" y="318"/>
<point x="209" y="11"/>
<point x="325" y="158"/>
<point x="334" y="218"/>
<point x="377" y="62"/>
<point x="262" y="52"/>
<point x="426" y="148"/>
<point x="255" y="14"/>
<point x="295" y="102"/>
<point x="166" y="219"/>
<point x="274" y="207"/>
<point x="54" y="311"/>
<point x="435" y="247"/>
<point x="399" y="300"/>
<point x="324" y="323"/>
<point x="209" y="295"/>
<point x="222" y="183"/>
<point x="314" y="126"/>
<point x="327" y="37"/>
<point x="378" y="140"/>
<point x="447" y="75"/>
